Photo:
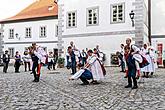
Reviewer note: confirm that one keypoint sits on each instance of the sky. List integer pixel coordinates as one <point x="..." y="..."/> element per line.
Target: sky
<point x="9" y="8"/>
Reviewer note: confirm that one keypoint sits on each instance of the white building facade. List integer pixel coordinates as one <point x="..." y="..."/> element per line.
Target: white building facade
<point x="20" y="35"/>
<point x="106" y="23"/>
<point x="36" y="23"/>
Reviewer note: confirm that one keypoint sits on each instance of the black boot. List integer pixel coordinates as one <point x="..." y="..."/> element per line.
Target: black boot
<point x="135" y="83"/>
<point x="128" y="86"/>
<point x="129" y="83"/>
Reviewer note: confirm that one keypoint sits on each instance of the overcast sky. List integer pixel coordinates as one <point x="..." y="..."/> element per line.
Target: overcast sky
<point x="9" y="8"/>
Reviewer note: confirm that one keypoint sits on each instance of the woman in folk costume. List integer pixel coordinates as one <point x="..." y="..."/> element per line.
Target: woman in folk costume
<point x="144" y="52"/>
<point x="93" y="67"/>
<point x="152" y="65"/>
<point x="131" y="67"/>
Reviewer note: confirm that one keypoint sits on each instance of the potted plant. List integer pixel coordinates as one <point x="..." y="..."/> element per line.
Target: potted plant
<point x="61" y="62"/>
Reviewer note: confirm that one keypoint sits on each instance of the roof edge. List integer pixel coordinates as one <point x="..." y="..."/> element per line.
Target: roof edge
<point x="30" y="19"/>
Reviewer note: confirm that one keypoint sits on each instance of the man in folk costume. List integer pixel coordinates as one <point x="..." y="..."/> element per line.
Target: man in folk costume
<point x="128" y="44"/>
<point x="41" y="54"/>
<point x="35" y="63"/>
<point x="136" y="55"/>
<point x="71" y="60"/>
<point x="131" y="68"/>
<point x="92" y="70"/>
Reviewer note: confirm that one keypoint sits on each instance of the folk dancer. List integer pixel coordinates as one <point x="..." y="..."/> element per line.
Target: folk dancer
<point x="131" y="68"/>
<point x="153" y="64"/>
<point x="35" y="63"/>
<point x="145" y="53"/>
<point x="71" y="60"/>
<point x="92" y="70"/>
<point x="41" y="54"/>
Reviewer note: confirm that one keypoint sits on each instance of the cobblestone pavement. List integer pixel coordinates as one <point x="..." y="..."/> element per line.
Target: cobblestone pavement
<point x="56" y="92"/>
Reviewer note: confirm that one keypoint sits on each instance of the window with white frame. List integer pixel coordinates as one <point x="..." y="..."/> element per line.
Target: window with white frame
<point x="71" y="19"/>
<point x="43" y="31"/>
<point x="93" y="16"/>
<point x="117" y="13"/>
<point x="11" y="33"/>
<point x="28" y="33"/>
<point x="56" y="30"/>
<point x="11" y="52"/>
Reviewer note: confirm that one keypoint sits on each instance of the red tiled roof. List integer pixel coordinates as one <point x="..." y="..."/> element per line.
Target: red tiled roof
<point x="40" y="8"/>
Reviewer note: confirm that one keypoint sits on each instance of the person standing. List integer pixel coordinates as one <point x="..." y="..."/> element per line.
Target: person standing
<point x="17" y="62"/>
<point x="26" y="58"/>
<point x="50" y="60"/>
<point x="145" y="53"/>
<point x="131" y="68"/>
<point x="6" y="60"/>
<point x="41" y="55"/>
<point x="71" y="60"/>
<point x="121" y="57"/>
<point x="84" y="57"/>
<point x="35" y="63"/>
<point x="55" y="59"/>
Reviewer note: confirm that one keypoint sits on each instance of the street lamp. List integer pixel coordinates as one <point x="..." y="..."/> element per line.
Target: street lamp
<point x="132" y="15"/>
<point x="16" y="35"/>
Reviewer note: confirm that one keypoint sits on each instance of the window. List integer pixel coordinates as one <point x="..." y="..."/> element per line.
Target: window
<point x="93" y="16"/>
<point x="28" y="33"/>
<point x="117" y="13"/>
<point x="56" y="30"/>
<point x="71" y="19"/>
<point x="11" y="52"/>
<point x="43" y="31"/>
<point x="11" y="33"/>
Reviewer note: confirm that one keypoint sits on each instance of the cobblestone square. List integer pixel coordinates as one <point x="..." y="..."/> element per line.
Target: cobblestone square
<point x="56" y="92"/>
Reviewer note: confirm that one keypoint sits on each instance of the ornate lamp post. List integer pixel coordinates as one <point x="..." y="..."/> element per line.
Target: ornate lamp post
<point x="132" y="15"/>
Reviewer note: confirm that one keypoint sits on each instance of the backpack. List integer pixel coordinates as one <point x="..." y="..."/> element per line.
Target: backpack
<point x="144" y="62"/>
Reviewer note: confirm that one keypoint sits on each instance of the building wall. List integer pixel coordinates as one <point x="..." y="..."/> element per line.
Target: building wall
<point x="104" y="16"/>
<point x="106" y="34"/>
<point x="109" y="44"/>
<point x="50" y="41"/>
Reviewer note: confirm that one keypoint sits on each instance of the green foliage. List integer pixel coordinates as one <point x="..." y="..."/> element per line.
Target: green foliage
<point x="61" y="60"/>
